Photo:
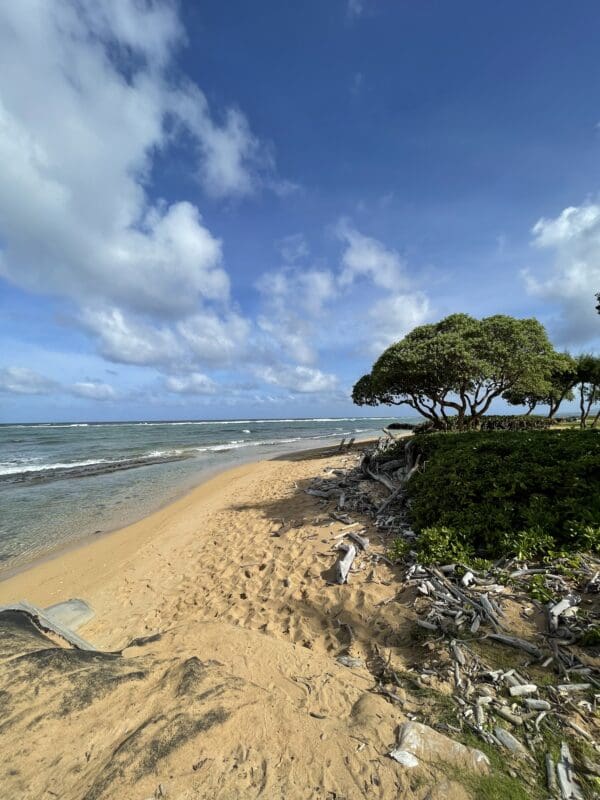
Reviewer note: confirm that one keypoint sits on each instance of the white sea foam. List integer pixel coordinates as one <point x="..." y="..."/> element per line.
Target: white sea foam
<point x="16" y="469"/>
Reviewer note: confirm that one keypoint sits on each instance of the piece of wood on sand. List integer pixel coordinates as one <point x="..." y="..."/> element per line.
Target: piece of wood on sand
<point x="344" y="562"/>
<point x="361" y="541"/>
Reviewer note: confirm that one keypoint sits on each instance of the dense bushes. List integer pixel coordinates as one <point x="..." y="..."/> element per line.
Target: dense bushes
<point x="502" y="493"/>
<point x="492" y="422"/>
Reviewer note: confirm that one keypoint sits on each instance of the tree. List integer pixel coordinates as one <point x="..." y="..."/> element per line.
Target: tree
<point x="588" y="383"/>
<point x="458" y="366"/>
<point x="558" y="387"/>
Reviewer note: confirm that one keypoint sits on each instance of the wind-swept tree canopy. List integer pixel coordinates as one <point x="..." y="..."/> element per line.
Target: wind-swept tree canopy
<point x="557" y="388"/>
<point x="459" y="365"/>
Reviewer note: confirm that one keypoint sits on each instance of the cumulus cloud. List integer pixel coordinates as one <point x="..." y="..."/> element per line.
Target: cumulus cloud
<point x="298" y="378"/>
<point x="25" y="381"/>
<point x="366" y="260"/>
<point x="126" y="340"/>
<point x="93" y="390"/>
<point x="196" y="383"/>
<point x="295" y="300"/>
<point x="393" y="317"/>
<point x="22" y="380"/>
<point x="215" y="339"/>
<point x="569" y="284"/>
<point x="365" y="257"/>
<point x="86" y="101"/>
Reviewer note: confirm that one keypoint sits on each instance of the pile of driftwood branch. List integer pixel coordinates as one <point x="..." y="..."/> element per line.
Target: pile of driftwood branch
<point x="460" y="607"/>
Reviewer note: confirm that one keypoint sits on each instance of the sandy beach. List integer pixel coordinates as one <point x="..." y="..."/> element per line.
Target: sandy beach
<point x="230" y="585"/>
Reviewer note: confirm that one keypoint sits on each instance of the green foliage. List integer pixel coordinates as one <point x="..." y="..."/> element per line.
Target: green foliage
<point x="551" y="392"/>
<point x="443" y="545"/>
<point x="538" y="589"/>
<point x="492" y="422"/>
<point x="526" y="544"/>
<point x="591" y="638"/>
<point x="459" y="365"/>
<point x="398" y="549"/>
<point x="502" y="493"/>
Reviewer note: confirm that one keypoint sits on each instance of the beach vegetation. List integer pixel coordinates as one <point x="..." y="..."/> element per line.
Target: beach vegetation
<point x="501" y="493"/>
<point x="552" y="392"/>
<point x="491" y="422"/>
<point x="458" y="366"/>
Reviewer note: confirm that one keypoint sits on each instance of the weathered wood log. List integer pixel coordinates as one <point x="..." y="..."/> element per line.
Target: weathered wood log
<point x="344" y="562"/>
<point x="537" y="705"/>
<point x="507" y="714"/>
<point x="569" y="789"/>
<point x="361" y="541"/>
<point x="569" y="688"/>
<point x="522" y="689"/>
<point x="390" y="499"/>
<point x="509" y="741"/>
<point x="555" y="611"/>
<point x="383" y="479"/>
<point x="550" y="773"/>
<point x="519" y="644"/>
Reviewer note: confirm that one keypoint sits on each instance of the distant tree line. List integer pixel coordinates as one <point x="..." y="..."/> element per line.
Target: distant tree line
<point x="450" y="372"/>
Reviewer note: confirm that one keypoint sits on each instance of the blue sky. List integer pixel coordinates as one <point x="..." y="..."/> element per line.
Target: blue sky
<point x="214" y="209"/>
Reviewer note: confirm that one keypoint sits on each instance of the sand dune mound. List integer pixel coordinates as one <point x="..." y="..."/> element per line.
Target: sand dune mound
<point x="242" y="716"/>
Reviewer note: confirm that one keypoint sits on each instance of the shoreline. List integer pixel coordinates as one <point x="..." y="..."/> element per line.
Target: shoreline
<point x="46" y="579"/>
<point x="114" y="526"/>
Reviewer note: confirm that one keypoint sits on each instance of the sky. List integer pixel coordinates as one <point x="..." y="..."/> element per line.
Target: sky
<point x="220" y="210"/>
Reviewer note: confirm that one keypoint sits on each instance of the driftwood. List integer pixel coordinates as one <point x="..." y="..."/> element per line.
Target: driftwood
<point x="361" y="541"/>
<point x="555" y="611"/>
<point x="509" y="741"/>
<point x="520" y="644"/>
<point x="344" y="562"/>
<point x="569" y="789"/>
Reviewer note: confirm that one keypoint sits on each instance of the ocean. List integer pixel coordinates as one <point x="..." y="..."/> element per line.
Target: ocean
<point x="61" y="482"/>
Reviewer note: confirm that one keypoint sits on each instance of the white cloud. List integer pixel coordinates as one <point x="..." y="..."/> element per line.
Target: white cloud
<point x="129" y="341"/>
<point x="570" y="283"/>
<point x="86" y="101"/>
<point x="295" y="300"/>
<point x="196" y="383"/>
<point x="298" y="378"/>
<point x="215" y="339"/>
<point x="22" y="380"/>
<point x="393" y="317"/>
<point x="365" y="257"/>
<point x="93" y="390"/>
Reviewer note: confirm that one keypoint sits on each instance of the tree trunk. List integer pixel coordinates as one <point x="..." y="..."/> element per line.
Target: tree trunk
<point x="583" y="415"/>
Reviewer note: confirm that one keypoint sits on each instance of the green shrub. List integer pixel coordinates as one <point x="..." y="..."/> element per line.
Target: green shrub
<point x="493" y="422"/>
<point x="443" y="545"/>
<point x="508" y="493"/>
